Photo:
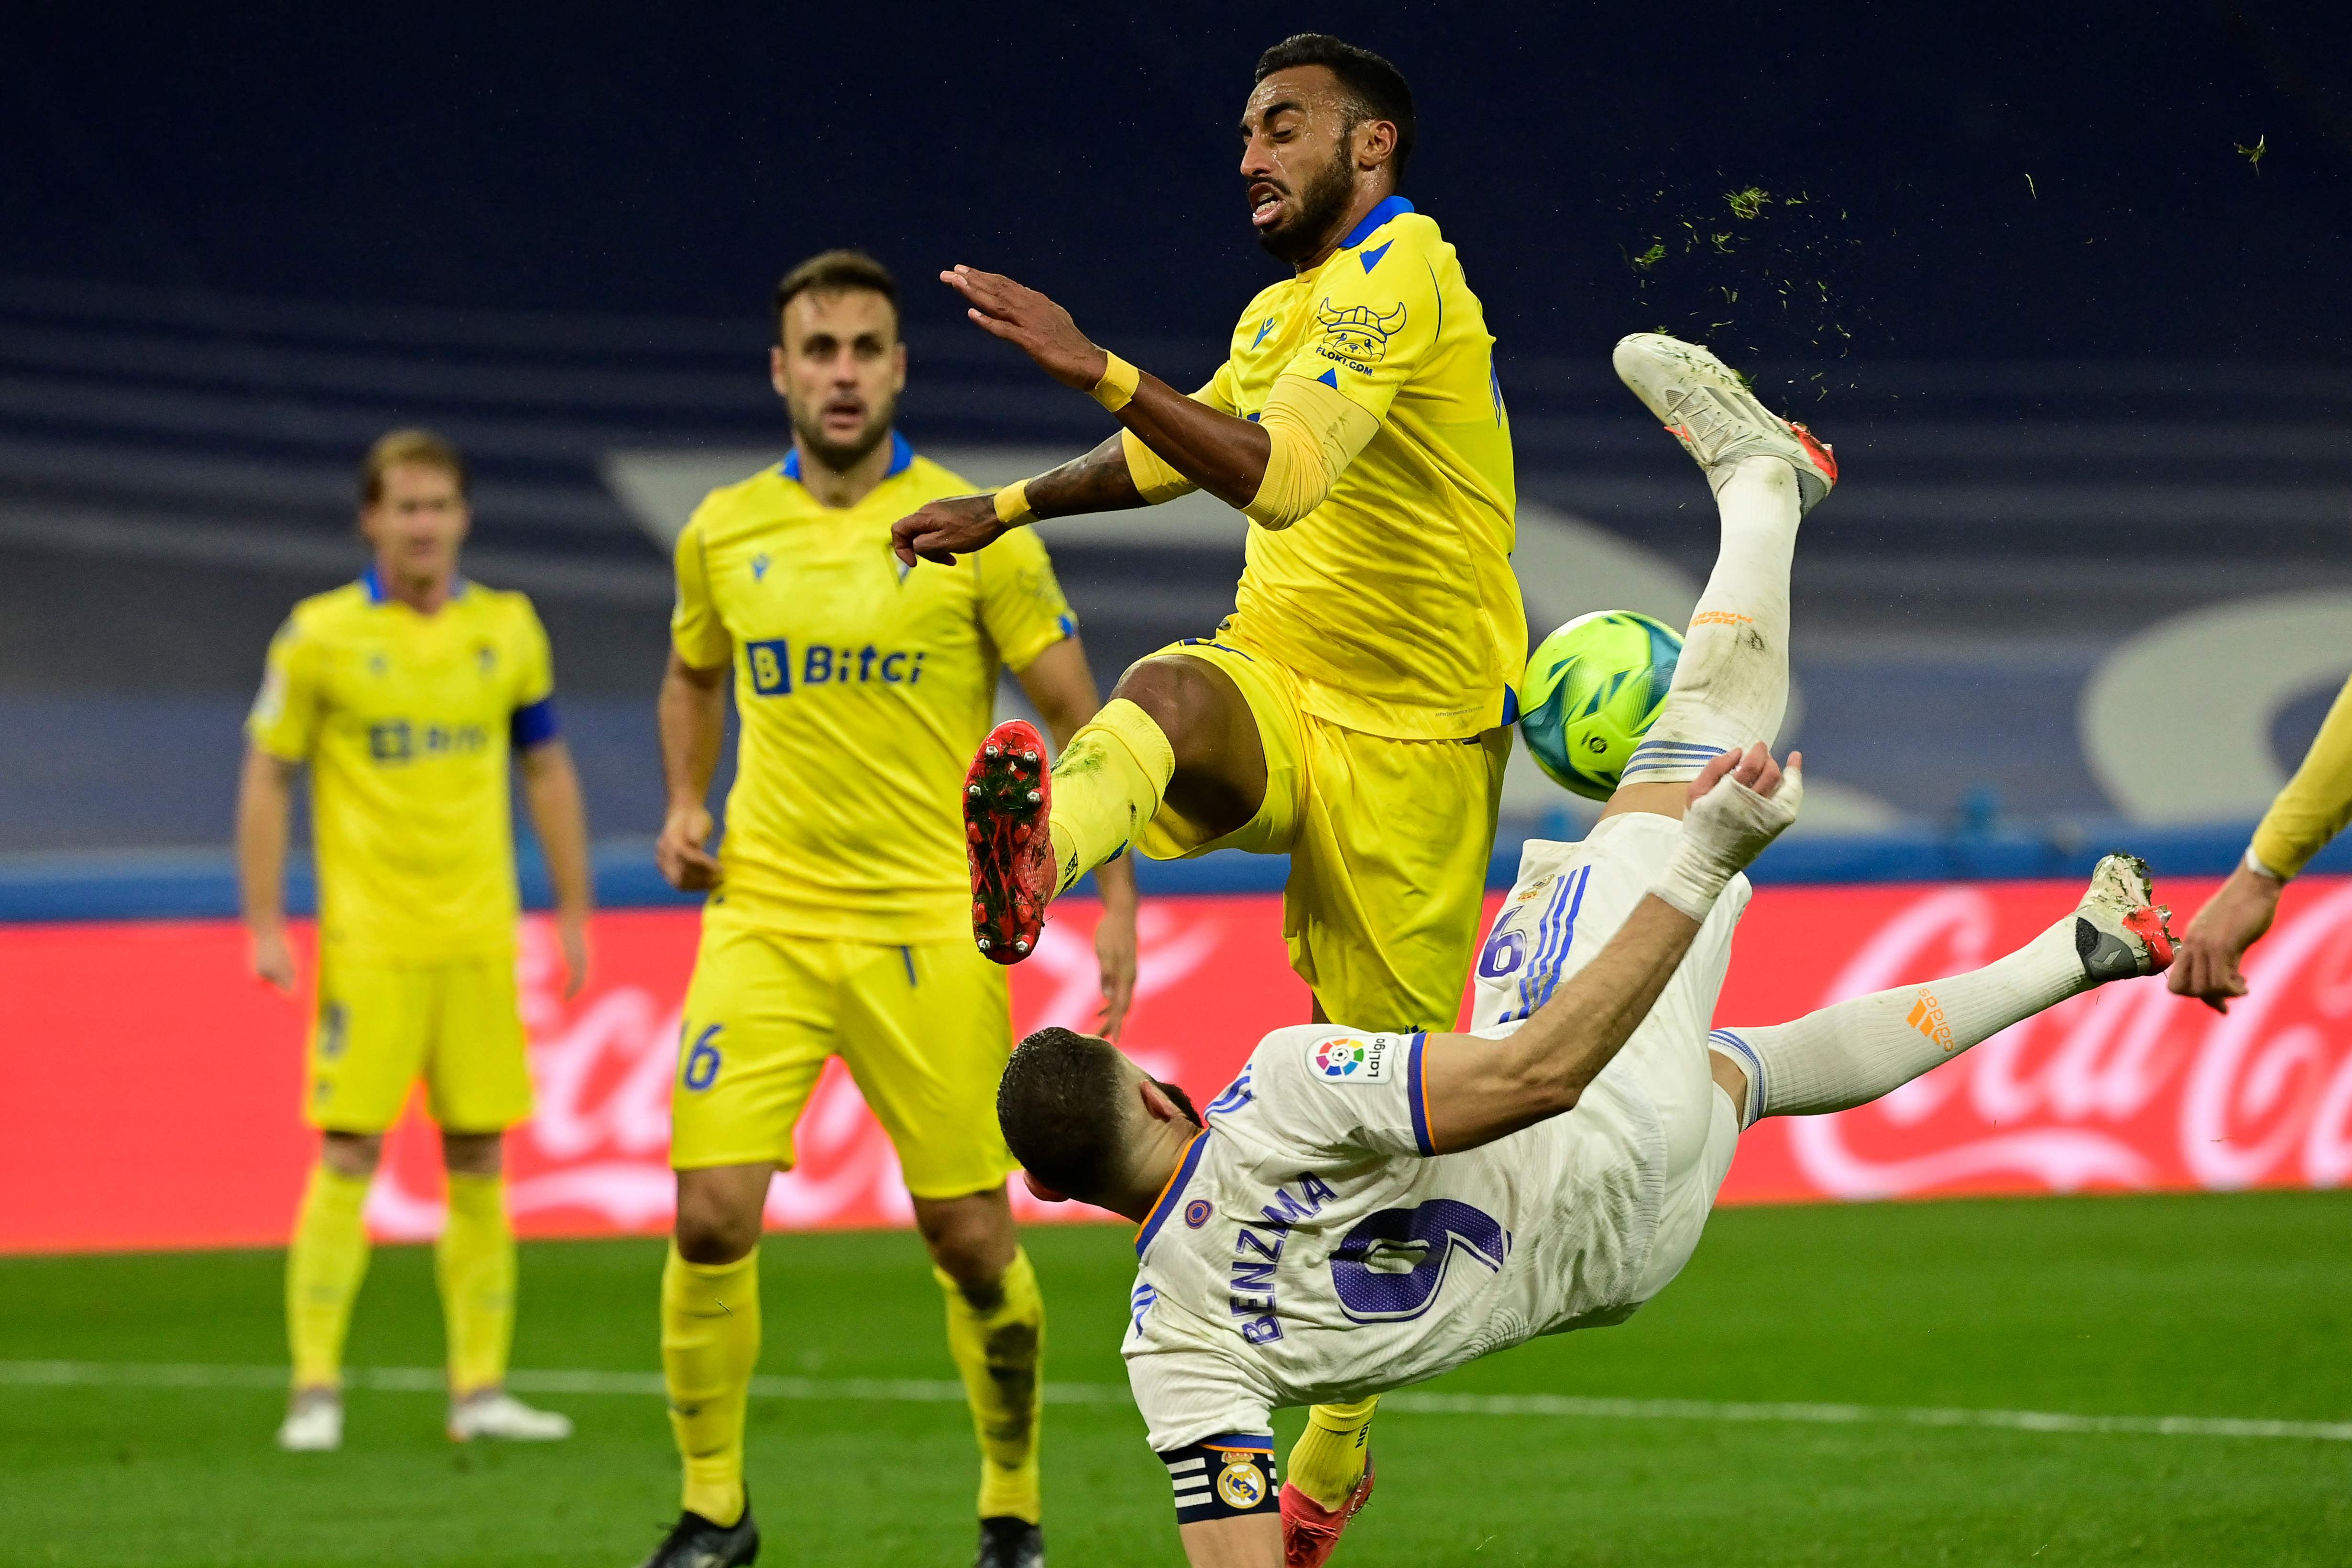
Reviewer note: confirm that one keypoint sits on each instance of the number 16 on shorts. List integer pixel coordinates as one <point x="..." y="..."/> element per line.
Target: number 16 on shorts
<point x="698" y="1062"/>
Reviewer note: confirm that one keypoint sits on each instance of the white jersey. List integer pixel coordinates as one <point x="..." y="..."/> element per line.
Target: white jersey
<point x="1310" y="1249"/>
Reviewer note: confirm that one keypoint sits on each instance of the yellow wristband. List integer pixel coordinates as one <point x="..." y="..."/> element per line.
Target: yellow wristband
<point x="1117" y="387"/>
<point x="1012" y="508"/>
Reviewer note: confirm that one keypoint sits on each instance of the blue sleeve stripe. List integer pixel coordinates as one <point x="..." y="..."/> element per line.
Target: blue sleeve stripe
<point x="1248" y="1442"/>
<point x="534" y="725"/>
<point x="1417" y="1095"/>
<point x="1568" y="932"/>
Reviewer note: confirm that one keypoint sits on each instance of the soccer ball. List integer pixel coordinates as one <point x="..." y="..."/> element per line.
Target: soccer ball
<point x="1592" y="690"/>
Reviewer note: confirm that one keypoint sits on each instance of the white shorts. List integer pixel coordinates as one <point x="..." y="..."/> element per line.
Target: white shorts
<point x="1569" y="900"/>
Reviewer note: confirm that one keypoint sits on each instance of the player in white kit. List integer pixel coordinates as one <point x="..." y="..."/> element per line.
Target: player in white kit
<point x="1358" y="1211"/>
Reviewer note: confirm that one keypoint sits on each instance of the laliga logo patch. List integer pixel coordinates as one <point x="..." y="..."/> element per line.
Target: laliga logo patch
<point x="1349" y="1060"/>
<point x="1339" y="1059"/>
<point x="1241" y="1483"/>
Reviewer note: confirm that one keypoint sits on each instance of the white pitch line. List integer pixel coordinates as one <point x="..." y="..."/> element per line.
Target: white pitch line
<point x="941" y="1391"/>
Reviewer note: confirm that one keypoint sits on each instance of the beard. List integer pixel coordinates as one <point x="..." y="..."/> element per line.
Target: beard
<point x="843" y="455"/>
<point x="1321" y="205"/>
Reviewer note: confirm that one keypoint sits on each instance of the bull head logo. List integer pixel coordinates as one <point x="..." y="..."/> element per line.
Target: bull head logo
<point x="1358" y="334"/>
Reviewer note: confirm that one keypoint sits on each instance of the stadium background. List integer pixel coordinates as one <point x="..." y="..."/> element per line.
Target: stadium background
<point x="2082" y="353"/>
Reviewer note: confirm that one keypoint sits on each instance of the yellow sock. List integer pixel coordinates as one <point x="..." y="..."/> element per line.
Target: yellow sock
<point x="474" y="1262"/>
<point x="324" y="1265"/>
<point x="1327" y="1460"/>
<point x="998" y="1344"/>
<point x="1106" y="785"/>
<point x="710" y="1342"/>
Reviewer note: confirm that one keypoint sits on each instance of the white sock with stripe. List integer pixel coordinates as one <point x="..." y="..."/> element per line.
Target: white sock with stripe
<point x="1853" y="1053"/>
<point x="1731" y="685"/>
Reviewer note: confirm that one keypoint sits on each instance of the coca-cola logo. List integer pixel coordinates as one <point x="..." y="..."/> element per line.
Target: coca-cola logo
<point x="2125" y="1087"/>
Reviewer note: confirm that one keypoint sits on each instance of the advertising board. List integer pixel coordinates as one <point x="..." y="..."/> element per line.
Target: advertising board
<point x="149" y="1087"/>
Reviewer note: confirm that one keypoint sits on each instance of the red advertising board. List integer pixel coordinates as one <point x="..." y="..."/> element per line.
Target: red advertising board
<point x="148" y="1087"/>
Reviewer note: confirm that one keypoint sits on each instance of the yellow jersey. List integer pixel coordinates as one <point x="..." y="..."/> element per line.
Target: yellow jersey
<point x="862" y="689"/>
<point x="1393" y="601"/>
<point x="407" y="722"/>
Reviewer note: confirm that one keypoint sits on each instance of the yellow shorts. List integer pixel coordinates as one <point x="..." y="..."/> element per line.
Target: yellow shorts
<point x="381" y="1027"/>
<point x="1388" y="840"/>
<point x="925" y="1030"/>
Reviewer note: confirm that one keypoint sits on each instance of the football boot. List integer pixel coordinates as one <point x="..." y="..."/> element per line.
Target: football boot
<point x="1008" y="798"/>
<point x="1706" y="405"/>
<point x="1310" y="1532"/>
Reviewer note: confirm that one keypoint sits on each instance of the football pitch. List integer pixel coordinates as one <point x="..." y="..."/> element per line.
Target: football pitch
<point x="1823" y="1385"/>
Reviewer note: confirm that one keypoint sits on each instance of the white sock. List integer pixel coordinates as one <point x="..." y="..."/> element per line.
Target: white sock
<point x="1731" y="685"/>
<point x="1856" y="1051"/>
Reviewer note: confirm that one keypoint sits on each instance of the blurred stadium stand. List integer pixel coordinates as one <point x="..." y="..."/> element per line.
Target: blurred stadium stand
<point x="2090" y="564"/>
<point x="175" y="469"/>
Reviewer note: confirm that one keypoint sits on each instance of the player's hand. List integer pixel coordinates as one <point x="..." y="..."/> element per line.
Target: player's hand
<point x="1040" y="328"/>
<point x="1753" y="767"/>
<point x="572" y="931"/>
<point x="1115" y="951"/>
<point x="2232" y="920"/>
<point x="1739" y="824"/>
<point x="685" y="864"/>
<point x="273" y="960"/>
<point x="946" y="528"/>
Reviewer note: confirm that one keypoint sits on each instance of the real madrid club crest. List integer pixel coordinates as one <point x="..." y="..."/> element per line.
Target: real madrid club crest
<point x="1241" y="1484"/>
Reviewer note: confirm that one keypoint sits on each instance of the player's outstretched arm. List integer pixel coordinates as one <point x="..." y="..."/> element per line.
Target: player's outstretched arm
<point x="1476" y="1091"/>
<point x="2215" y="943"/>
<point x="2310" y="811"/>
<point x="957" y="525"/>
<point x="1188" y="441"/>
<point x="1222" y="453"/>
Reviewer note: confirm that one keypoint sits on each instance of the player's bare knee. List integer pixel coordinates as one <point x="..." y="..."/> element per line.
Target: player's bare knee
<point x="711" y="1237"/>
<point x="972" y="1241"/>
<point x="473" y="1153"/>
<point x="350" y="1153"/>
<point x="1220" y="776"/>
<point x="1173" y="691"/>
<point x="718" y="1221"/>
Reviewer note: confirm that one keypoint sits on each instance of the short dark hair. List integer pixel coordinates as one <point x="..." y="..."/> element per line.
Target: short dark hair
<point x="835" y="272"/>
<point x="395" y="448"/>
<point x="1060" y="1106"/>
<point x="1375" y="88"/>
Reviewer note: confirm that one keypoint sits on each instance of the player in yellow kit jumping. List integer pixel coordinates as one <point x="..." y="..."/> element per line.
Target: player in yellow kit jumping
<point x="1353" y="710"/>
<point x="406" y="693"/>
<point x="836" y="921"/>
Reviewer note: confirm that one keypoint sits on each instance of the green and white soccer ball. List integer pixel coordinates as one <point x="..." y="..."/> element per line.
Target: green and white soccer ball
<point x="1592" y="691"/>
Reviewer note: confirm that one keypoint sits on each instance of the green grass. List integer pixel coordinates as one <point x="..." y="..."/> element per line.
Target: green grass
<point x="2232" y="1306"/>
